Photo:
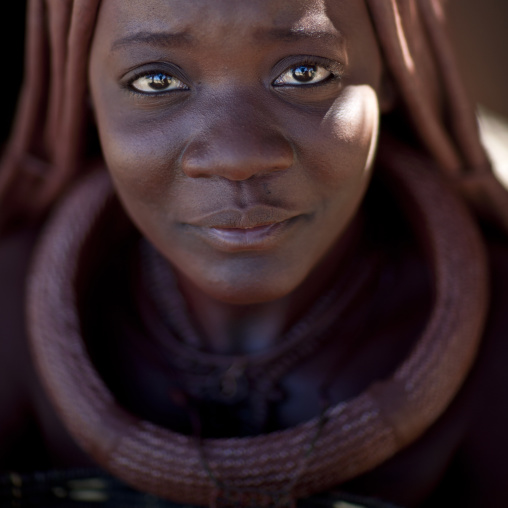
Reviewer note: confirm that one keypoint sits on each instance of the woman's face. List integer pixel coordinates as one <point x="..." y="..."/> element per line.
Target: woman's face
<point x="239" y="134"/>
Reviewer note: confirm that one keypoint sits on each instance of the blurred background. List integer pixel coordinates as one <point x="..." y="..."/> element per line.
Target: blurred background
<point x="479" y="29"/>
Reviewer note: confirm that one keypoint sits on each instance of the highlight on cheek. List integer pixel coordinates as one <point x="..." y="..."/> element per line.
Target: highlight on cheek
<point x="356" y="120"/>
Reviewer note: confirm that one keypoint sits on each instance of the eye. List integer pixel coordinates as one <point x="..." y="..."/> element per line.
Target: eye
<point x="304" y="74"/>
<point x="157" y="82"/>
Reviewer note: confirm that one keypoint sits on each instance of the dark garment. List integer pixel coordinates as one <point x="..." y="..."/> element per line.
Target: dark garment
<point x="94" y="489"/>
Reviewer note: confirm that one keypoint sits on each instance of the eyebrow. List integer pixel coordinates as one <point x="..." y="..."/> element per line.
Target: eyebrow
<point x="294" y="34"/>
<point x="156" y="39"/>
<point x="169" y="39"/>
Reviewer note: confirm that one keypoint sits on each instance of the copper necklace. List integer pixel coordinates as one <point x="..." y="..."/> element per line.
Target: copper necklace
<point x="356" y="435"/>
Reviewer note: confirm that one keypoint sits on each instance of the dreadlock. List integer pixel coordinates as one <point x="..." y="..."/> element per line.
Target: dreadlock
<point x="37" y="168"/>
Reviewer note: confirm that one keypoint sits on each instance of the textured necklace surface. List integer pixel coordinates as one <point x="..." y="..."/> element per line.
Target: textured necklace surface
<point x="356" y="435"/>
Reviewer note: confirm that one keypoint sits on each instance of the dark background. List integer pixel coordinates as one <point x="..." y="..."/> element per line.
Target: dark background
<point x="12" y="25"/>
<point x="479" y="30"/>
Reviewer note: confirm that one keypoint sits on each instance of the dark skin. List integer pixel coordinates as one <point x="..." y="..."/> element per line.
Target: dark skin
<point x="280" y="193"/>
<point x="244" y="211"/>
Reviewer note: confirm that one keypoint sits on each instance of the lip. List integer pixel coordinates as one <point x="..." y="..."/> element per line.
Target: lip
<point x="257" y="228"/>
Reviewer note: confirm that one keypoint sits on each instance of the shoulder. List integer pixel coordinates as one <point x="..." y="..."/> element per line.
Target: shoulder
<point x="491" y="367"/>
<point x="16" y="373"/>
<point x="479" y="468"/>
<point x="15" y="254"/>
<point x="32" y="433"/>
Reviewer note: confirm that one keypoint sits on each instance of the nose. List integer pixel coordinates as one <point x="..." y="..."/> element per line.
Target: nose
<point x="236" y="145"/>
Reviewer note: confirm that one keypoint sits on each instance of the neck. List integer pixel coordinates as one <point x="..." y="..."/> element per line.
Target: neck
<point x="242" y="329"/>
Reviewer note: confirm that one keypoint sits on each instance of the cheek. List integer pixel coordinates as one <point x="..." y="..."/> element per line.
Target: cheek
<point x="352" y="127"/>
<point x="141" y="157"/>
<point x="341" y="151"/>
<point x="138" y="141"/>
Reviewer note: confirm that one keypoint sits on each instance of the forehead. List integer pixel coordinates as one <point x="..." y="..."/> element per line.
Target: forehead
<point x="220" y="19"/>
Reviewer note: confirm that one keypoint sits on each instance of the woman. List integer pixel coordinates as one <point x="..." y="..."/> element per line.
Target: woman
<point x="274" y="330"/>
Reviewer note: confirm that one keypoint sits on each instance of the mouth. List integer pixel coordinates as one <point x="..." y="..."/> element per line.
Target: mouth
<point x="247" y="230"/>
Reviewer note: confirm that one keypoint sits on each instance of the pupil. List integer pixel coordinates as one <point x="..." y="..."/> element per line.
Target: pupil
<point x="159" y="81"/>
<point x="304" y="73"/>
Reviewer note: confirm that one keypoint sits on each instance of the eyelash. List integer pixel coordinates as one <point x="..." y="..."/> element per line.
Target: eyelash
<point x="333" y="68"/>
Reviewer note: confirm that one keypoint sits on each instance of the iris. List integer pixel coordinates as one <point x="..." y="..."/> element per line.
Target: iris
<point x="159" y="81"/>
<point x="304" y="73"/>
